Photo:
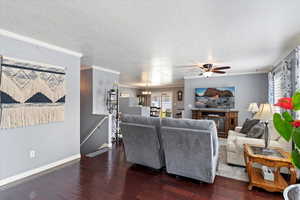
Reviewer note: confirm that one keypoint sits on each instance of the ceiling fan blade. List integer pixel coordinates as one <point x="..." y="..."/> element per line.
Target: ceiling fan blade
<point x="218" y="72"/>
<point x="220" y="68"/>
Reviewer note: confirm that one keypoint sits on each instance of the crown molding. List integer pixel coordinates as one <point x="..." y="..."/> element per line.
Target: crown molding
<point x="100" y="69"/>
<point x="83" y="68"/>
<point x="38" y="43"/>
<point x="230" y="74"/>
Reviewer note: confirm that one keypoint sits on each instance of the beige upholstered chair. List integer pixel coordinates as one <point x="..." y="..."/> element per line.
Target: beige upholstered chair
<point x="236" y="141"/>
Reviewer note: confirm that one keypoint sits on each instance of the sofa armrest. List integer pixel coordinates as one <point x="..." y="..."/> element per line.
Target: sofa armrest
<point x="232" y="133"/>
<point x="238" y="129"/>
<point x="240" y="141"/>
<point x="236" y="143"/>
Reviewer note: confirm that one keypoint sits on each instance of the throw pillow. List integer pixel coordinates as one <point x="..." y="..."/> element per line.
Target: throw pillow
<point x="248" y="124"/>
<point x="257" y="131"/>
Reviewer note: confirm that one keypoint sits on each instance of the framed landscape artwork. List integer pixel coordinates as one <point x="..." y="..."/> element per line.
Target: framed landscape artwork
<point x="221" y="98"/>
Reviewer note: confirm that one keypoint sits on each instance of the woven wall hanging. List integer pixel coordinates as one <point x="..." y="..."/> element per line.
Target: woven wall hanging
<point x="31" y="93"/>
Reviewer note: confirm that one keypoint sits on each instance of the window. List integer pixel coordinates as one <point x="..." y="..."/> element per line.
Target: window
<point x="163" y="100"/>
<point x="278" y="92"/>
<point x="284" y="79"/>
<point x="277" y="89"/>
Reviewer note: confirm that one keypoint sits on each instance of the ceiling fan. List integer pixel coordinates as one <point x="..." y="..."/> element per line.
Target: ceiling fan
<point x="208" y="69"/>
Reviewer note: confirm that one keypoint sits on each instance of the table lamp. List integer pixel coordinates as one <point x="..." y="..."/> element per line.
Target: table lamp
<point x="253" y="107"/>
<point x="265" y="114"/>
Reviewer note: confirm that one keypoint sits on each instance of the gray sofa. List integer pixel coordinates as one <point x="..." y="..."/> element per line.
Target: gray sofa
<point x="191" y="148"/>
<point x="142" y="140"/>
<point x="186" y="147"/>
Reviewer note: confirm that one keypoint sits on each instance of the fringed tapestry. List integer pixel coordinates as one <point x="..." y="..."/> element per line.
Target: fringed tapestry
<point x="31" y="93"/>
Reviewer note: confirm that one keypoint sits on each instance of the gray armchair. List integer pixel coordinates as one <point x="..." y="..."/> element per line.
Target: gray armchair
<point x="191" y="148"/>
<point x="142" y="140"/>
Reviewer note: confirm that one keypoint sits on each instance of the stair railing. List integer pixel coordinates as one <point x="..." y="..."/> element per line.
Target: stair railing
<point x="93" y="130"/>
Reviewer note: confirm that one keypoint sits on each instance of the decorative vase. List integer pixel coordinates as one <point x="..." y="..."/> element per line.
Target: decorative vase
<point x="292" y="192"/>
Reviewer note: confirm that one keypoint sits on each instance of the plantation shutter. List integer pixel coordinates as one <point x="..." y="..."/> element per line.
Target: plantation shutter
<point x="278" y="89"/>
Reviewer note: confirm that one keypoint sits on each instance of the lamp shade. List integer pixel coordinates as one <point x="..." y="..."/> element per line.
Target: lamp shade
<point x="265" y="112"/>
<point x="253" y="107"/>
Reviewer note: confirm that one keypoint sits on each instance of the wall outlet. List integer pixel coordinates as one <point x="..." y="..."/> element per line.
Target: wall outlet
<point x="32" y="154"/>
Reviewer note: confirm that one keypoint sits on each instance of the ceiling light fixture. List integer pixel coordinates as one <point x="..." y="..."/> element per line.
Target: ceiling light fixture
<point x="146" y="91"/>
<point x="207" y="74"/>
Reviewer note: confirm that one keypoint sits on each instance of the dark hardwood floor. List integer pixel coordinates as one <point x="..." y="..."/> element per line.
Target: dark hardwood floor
<point x="108" y="176"/>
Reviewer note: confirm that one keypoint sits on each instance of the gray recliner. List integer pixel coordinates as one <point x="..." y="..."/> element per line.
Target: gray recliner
<point x="142" y="140"/>
<point x="191" y="148"/>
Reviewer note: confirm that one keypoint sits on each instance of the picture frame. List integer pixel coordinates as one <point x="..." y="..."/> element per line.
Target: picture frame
<point x="179" y="95"/>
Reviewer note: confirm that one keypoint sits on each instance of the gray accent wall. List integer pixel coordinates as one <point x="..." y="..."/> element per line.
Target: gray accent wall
<point x="249" y="88"/>
<point x="51" y="142"/>
<point x="129" y="105"/>
<point x="102" y="82"/>
<point x="131" y="92"/>
<point x="94" y="86"/>
<point x="87" y="119"/>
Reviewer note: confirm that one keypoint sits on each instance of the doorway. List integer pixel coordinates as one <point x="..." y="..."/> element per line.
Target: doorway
<point x="161" y="104"/>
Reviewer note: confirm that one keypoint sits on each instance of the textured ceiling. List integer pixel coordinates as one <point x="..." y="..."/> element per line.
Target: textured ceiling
<point x="144" y="40"/>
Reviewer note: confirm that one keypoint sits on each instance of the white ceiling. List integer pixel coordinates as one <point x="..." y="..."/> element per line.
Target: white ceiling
<point x="144" y="40"/>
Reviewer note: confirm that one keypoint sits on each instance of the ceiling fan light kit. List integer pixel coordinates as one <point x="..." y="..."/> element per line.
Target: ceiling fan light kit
<point x="146" y="92"/>
<point x="208" y="69"/>
<point x="207" y="74"/>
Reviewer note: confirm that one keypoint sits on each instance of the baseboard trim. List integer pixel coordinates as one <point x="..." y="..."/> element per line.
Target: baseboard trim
<point x="23" y="175"/>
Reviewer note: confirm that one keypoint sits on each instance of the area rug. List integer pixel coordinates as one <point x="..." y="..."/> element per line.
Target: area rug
<point x="31" y="93"/>
<point x="229" y="171"/>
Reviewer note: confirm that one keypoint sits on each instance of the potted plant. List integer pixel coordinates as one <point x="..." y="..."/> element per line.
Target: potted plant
<point x="289" y="129"/>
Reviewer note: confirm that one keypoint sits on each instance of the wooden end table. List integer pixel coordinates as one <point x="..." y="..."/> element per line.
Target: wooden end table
<point x="273" y="157"/>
